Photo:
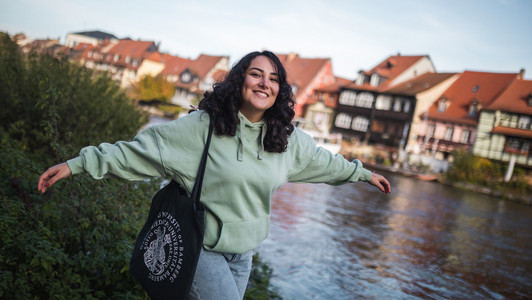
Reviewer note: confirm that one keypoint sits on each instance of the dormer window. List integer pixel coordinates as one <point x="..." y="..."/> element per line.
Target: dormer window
<point x="530" y="99"/>
<point x="360" y="79"/>
<point x="294" y="89"/>
<point x="186" y="77"/>
<point x="442" y="105"/>
<point x="475" y="89"/>
<point x="473" y="108"/>
<point x="375" y="79"/>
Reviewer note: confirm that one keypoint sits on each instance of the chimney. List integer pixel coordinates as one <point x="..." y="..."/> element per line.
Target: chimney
<point x="291" y="56"/>
<point x="521" y="73"/>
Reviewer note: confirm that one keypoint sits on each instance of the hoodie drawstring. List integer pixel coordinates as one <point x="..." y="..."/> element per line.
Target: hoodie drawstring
<point x="240" y="150"/>
<point x="261" y="141"/>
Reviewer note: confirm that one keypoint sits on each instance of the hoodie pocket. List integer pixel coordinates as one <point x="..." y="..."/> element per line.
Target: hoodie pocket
<point x="240" y="237"/>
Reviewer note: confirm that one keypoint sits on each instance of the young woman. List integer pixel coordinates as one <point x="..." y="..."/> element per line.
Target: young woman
<point x="254" y="151"/>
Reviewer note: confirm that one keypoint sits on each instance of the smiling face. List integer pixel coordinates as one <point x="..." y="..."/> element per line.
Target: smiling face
<point x="260" y="88"/>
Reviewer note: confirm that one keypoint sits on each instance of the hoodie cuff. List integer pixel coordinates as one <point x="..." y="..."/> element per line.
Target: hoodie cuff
<point x="75" y="165"/>
<point x="360" y="173"/>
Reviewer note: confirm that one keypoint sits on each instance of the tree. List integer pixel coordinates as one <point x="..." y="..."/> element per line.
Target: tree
<point x="150" y="88"/>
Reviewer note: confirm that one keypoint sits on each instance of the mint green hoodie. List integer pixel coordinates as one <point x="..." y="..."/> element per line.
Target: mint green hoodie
<point x="240" y="177"/>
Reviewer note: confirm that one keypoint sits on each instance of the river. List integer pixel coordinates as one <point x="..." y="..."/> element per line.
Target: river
<point x="424" y="241"/>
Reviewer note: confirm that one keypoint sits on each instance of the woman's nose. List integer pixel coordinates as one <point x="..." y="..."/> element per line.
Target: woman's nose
<point x="263" y="83"/>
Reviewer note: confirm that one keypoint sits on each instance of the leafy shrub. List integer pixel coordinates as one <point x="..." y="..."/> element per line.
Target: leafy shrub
<point x="75" y="241"/>
<point x="468" y="168"/>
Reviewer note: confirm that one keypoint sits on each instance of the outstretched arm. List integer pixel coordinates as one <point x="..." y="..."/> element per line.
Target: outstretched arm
<point x="52" y="175"/>
<point x="380" y="182"/>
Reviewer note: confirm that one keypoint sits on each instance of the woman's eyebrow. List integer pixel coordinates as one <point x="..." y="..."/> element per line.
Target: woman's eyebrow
<point x="261" y="70"/>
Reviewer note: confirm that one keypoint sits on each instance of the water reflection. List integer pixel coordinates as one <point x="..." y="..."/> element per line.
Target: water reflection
<point x="425" y="241"/>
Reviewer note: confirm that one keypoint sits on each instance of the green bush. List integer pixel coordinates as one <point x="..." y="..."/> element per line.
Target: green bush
<point x="467" y="168"/>
<point x="75" y="241"/>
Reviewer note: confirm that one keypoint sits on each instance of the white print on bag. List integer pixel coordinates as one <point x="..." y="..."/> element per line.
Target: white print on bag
<point x="164" y="248"/>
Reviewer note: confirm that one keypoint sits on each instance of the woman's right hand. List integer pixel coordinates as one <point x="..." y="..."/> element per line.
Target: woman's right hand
<point x="52" y="175"/>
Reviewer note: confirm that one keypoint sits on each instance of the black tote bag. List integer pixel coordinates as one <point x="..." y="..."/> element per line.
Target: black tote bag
<point x="168" y="246"/>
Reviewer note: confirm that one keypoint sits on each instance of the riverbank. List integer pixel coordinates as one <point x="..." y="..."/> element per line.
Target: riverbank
<point x="523" y="199"/>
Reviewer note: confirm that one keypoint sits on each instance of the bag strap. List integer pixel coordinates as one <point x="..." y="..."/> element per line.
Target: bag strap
<point x="196" y="191"/>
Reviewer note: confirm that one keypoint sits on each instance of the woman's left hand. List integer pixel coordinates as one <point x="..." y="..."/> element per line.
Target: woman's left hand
<point x="380" y="182"/>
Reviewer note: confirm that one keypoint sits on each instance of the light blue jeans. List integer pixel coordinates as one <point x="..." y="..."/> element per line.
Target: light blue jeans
<point x="221" y="276"/>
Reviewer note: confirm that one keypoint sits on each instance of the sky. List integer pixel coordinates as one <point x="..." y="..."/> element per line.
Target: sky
<point x="458" y="35"/>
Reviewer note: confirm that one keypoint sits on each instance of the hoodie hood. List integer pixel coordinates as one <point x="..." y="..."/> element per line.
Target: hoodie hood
<point x="250" y="135"/>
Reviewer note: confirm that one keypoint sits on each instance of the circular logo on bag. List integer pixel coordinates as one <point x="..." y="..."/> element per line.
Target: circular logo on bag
<point x="164" y="248"/>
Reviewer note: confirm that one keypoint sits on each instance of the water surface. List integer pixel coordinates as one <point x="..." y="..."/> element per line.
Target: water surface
<point x="425" y="241"/>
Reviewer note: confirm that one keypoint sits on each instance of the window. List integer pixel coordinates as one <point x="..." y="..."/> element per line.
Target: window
<point x="442" y="105"/>
<point x="186" y="77"/>
<point x="383" y="102"/>
<point x="397" y="104"/>
<point x="475" y="89"/>
<point x="347" y="98"/>
<point x="430" y="130"/>
<point x="473" y="109"/>
<point x="524" y="122"/>
<point x="530" y="99"/>
<point x="465" y="137"/>
<point x="364" y="99"/>
<point x="525" y="148"/>
<point x="360" y="124"/>
<point x="294" y="89"/>
<point x="375" y="79"/>
<point x="343" y="120"/>
<point x="116" y="57"/>
<point x="360" y="79"/>
<point x="513" y="145"/>
<point x="449" y="133"/>
<point x="406" y="106"/>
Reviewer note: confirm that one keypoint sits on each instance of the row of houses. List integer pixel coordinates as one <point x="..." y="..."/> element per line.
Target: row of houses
<point x="402" y="107"/>
<point x="415" y="114"/>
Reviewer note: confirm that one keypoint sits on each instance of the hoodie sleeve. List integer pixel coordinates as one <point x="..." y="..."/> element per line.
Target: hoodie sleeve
<point x="135" y="160"/>
<point x="318" y="165"/>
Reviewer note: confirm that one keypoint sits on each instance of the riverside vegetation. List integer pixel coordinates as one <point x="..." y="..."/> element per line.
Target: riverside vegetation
<point x="75" y="241"/>
<point x="483" y="175"/>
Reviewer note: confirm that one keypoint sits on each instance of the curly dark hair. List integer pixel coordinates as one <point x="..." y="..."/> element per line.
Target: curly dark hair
<point x="223" y="104"/>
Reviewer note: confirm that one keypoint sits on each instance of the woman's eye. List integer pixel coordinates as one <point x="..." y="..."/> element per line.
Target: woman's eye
<point x="275" y="80"/>
<point x="255" y="75"/>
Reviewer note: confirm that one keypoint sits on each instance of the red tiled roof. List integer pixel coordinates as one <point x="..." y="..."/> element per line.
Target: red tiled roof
<point x="395" y="65"/>
<point x="301" y="71"/>
<point x="516" y="132"/>
<point x="515" y="98"/>
<point x="418" y="84"/>
<point x="219" y="75"/>
<point x="390" y="68"/>
<point x="480" y="86"/>
<point x="82" y="46"/>
<point x="334" y="87"/>
<point x="133" y="49"/>
<point x="203" y="64"/>
<point x="365" y="87"/>
<point x="173" y="65"/>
